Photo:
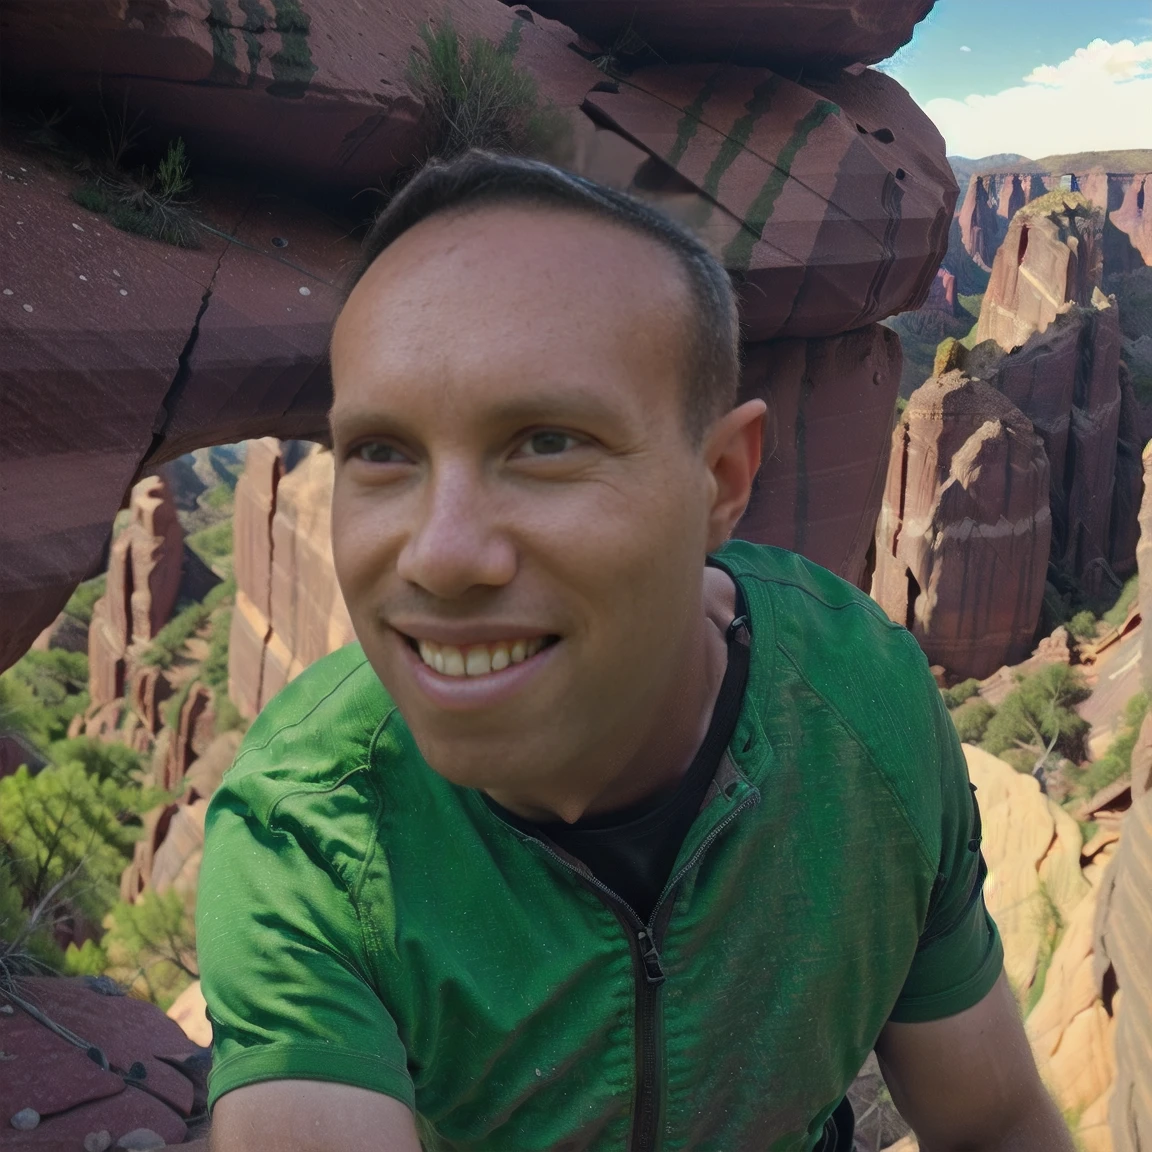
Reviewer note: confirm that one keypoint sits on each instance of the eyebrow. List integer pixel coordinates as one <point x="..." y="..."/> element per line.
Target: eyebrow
<point x="551" y="408"/>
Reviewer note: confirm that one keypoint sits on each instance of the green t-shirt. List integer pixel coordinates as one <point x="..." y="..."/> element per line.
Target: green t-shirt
<point x="363" y="920"/>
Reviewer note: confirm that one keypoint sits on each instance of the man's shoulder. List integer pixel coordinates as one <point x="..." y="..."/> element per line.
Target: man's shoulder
<point x="811" y="607"/>
<point x="315" y="731"/>
<point x="833" y="648"/>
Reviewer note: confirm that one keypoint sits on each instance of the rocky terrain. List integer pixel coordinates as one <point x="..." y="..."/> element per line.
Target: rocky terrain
<point x="156" y="589"/>
<point x="829" y="199"/>
<point x="1016" y="466"/>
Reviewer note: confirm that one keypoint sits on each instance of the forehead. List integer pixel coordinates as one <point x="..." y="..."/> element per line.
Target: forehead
<point x="514" y="289"/>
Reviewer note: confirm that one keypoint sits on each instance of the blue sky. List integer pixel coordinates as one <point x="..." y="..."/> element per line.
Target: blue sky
<point x="972" y="66"/>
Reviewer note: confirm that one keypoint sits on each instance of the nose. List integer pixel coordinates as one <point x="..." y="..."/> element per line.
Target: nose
<point x="456" y="542"/>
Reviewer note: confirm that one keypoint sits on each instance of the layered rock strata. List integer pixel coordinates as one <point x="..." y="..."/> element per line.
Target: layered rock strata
<point x="824" y="37"/>
<point x="144" y="569"/>
<point x="1051" y="257"/>
<point x="821" y="482"/>
<point x="965" y="520"/>
<point x="76" y="1094"/>
<point x="289" y="611"/>
<point x="829" y="198"/>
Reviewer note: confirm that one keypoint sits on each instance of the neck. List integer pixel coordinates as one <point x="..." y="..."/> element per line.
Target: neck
<point x="660" y="752"/>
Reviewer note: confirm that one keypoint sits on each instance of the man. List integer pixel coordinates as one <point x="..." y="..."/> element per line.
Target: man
<point x="609" y="834"/>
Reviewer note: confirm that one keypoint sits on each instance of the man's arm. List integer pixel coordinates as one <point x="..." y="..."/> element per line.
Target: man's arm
<point x="968" y="1083"/>
<point x="311" y="1116"/>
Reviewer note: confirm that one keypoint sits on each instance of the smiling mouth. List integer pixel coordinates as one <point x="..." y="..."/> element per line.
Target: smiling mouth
<point x="478" y="659"/>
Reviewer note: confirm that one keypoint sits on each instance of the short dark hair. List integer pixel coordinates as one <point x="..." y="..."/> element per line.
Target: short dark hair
<point x="479" y="178"/>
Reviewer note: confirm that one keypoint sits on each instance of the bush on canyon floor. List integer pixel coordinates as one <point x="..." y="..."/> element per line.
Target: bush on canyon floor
<point x="972" y="719"/>
<point x="213" y="544"/>
<point x="1118" y="613"/>
<point x="1082" y="626"/>
<point x="1037" y="720"/>
<point x="83" y="600"/>
<point x="66" y="836"/>
<point x="41" y="693"/>
<point x="476" y="97"/>
<point x="150" y="946"/>
<point x="1117" y="761"/>
<point x="958" y="693"/>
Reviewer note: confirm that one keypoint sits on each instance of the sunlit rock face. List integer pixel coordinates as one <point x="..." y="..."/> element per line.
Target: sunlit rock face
<point x="991" y="200"/>
<point x="144" y="570"/>
<point x="964" y="531"/>
<point x="289" y="611"/>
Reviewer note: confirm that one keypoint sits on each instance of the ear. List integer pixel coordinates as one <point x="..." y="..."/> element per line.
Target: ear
<point x="732" y="451"/>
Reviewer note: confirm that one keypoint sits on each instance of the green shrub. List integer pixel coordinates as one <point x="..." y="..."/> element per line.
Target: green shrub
<point x="83" y="600"/>
<point x="91" y="196"/>
<point x="100" y="759"/>
<point x="172" y="637"/>
<point x="213" y="543"/>
<point x="1039" y="715"/>
<point x="151" y="945"/>
<point x="221" y="496"/>
<point x="476" y="97"/>
<point x="41" y="693"/>
<point x="1118" y="613"/>
<point x="1082" y="626"/>
<point x="958" y="693"/>
<point x="1117" y="761"/>
<point x="88" y="960"/>
<point x="971" y="720"/>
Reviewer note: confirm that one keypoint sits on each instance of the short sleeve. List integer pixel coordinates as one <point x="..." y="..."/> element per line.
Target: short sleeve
<point x="960" y="955"/>
<point x="282" y="962"/>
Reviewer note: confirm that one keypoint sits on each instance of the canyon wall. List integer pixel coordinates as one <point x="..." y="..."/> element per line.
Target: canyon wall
<point x="289" y="611"/>
<point x="992" y="199"/>
<point x="968" y="575"/>
<point x="823" y="189"/>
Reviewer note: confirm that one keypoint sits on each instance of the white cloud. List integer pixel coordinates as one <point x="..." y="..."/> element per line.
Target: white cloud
<point x="965" y="48"/>
<point x="1097" y="99"/>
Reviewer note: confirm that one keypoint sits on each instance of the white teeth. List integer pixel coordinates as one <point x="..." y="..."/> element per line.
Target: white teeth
<point x="477" y="659"/>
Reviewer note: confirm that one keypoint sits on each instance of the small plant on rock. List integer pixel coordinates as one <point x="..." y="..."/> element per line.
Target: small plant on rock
<point x="155" y="204"/>
<point x="476" y="97"/>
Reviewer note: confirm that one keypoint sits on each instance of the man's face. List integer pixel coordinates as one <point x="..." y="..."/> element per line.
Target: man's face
<point x="519" y="517"/>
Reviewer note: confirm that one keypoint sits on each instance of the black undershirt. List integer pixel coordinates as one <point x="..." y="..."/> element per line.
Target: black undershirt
<point x="632" y="850"/>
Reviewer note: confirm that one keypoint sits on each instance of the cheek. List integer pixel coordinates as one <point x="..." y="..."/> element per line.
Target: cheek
<point x="361" y="542"/>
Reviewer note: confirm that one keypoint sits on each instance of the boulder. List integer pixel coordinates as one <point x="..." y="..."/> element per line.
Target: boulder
<point x="830" y="413"/>
<point x="117" y="340"/>
<point x="963" y="536"/>
<point x="76" y="1095"/>
<point x="1032" y="847"/>
<point x="190" y="1011"/>
<point x="1071" y="1029"/>
<point x="1051" y="256"/>
<point x="829" y="201"/>
<point x="315" y="89"/>
<point x="817" y="37"/>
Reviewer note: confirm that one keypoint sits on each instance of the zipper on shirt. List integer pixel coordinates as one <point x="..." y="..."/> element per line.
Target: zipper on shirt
<point x="648" y="967"/>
